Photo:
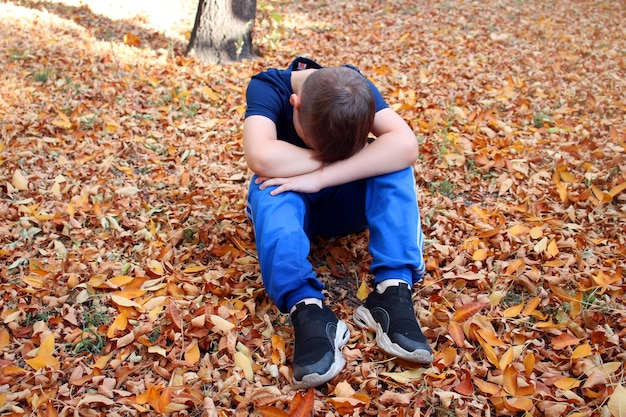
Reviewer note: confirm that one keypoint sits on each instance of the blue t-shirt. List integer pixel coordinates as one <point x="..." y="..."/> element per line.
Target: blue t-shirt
<point x="268" y="95"/>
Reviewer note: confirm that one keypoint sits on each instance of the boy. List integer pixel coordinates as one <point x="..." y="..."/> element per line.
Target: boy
<point x="305" y="136"/>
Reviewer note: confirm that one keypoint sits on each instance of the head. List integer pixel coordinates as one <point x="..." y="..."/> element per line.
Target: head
<point x="335" y="113"/>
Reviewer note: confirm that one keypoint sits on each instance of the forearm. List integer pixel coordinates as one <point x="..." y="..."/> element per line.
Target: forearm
<point x="282" y="159"/>
<point x="386" y="154"/>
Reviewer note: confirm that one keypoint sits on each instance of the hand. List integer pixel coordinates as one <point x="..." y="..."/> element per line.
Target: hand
<point x="305" y="183"/>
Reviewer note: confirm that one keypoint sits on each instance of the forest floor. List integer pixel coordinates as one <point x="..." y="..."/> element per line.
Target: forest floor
<point x="129" y="283"/>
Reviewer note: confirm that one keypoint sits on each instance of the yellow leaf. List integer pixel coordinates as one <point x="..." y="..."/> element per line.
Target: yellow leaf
<point x="192" y="353"/>
<point x="567" y="177"/>
<point x="513" y="311"/>
<point x="47" y="345"/>
<point x="125" y="302"/>
<point x="245" y="363"/>
<point x="505" y="361"/>
<point x="553" y="249"/>
<point x="491" y="354"/>
<point x="601" y="195"/>
<point x="44" y="355"/>
<point x="62" y="121"/>
<point x="159" y="350"/>
<point x="617" y="402"/>
<point x="536" y="232"/>
<point x="562" y="189"/>
<point x="209" y="93"/>
<point x="120" y="280"/>
<point x="33" y="281"/>
<point x="581" y="351"/>
<point x="541" y="246"/>
<point x="610" y="367"/>
<point x="519" y="230"/>
<point x="480" y="254"/>
<point x="19" y="181"/>
<point x="101" y="362"/>
<point x="405" y="377"/>
<point x="193" y="269"/>
<point x="362" y="292"/>
<point x="567" y="383"/>
<point x="617" y="189"/>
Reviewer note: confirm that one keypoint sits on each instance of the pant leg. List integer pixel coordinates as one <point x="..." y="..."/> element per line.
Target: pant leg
<point x="396" y="237"/>
<point x="283" y="245"/>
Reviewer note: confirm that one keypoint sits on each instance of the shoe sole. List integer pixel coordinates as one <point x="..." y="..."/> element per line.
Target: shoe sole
<point x="314" y="380"/>
<point x="363" y="318"/>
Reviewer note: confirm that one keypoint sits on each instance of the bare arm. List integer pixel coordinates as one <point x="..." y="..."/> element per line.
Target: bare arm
<point x="395" y="148"/>
<point x="269" y="157"/>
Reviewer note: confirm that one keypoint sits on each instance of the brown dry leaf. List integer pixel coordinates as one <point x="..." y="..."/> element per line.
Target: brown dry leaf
<point x="124" y="231"/>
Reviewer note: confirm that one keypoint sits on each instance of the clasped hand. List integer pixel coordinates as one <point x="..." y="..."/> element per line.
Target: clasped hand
<point x="305" y="183"/>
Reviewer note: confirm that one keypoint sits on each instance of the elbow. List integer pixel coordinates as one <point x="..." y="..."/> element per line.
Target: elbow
<point x="257" y="164"/>
<point x="411" y="150"/>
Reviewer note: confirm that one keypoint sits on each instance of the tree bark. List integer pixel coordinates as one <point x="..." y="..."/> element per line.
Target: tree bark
<point x="222" y="31"/>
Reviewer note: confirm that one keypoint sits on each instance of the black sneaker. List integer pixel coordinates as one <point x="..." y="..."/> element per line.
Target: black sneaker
<point x="319" y="335"/>
<point x="391" y="316"/>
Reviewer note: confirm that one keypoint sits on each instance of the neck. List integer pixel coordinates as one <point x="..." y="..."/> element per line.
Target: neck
<point x="297" y="79"/>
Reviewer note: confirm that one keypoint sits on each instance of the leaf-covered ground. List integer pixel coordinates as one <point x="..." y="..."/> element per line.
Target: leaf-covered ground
<point x="129" y="283"/>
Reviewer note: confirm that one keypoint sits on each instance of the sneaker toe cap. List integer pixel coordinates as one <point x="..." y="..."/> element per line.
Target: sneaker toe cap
<point x="319" y="367"/>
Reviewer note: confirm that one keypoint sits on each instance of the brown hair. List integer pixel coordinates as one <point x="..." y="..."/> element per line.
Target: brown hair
<point x="337" y="111"/>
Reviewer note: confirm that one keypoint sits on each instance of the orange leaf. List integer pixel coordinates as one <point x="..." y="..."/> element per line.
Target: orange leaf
<point x="467" y="311"/>
<point x="509" y="381"/>
<point x="491" y="354"/>
<point x="520" y="403"/>
<point x="507" y="358"/>
<point x="192" y="353"/>
<point x="564" y="340"/>
<point x="455" y="330"/>
<point x="278" y="350"/>
<point x="302" y="405"/>
<point x="488" y="387"/>
<point x="529" y="363"/>
<point x="120" y="323"/>
<point x="553" y="249"/>
<point x="465" y="387"/>
<point x="489" y="337"/>
<point x="5" y="338"/>
<point x="531" y="306"/>
<point x="268" y="411"/>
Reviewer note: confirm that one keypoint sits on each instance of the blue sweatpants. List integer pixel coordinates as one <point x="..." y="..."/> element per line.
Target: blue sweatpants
<point x="285" y="223"/>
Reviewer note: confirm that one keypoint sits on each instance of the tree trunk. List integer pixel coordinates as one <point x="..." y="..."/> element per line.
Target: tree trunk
<point x="222" y="32"/>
